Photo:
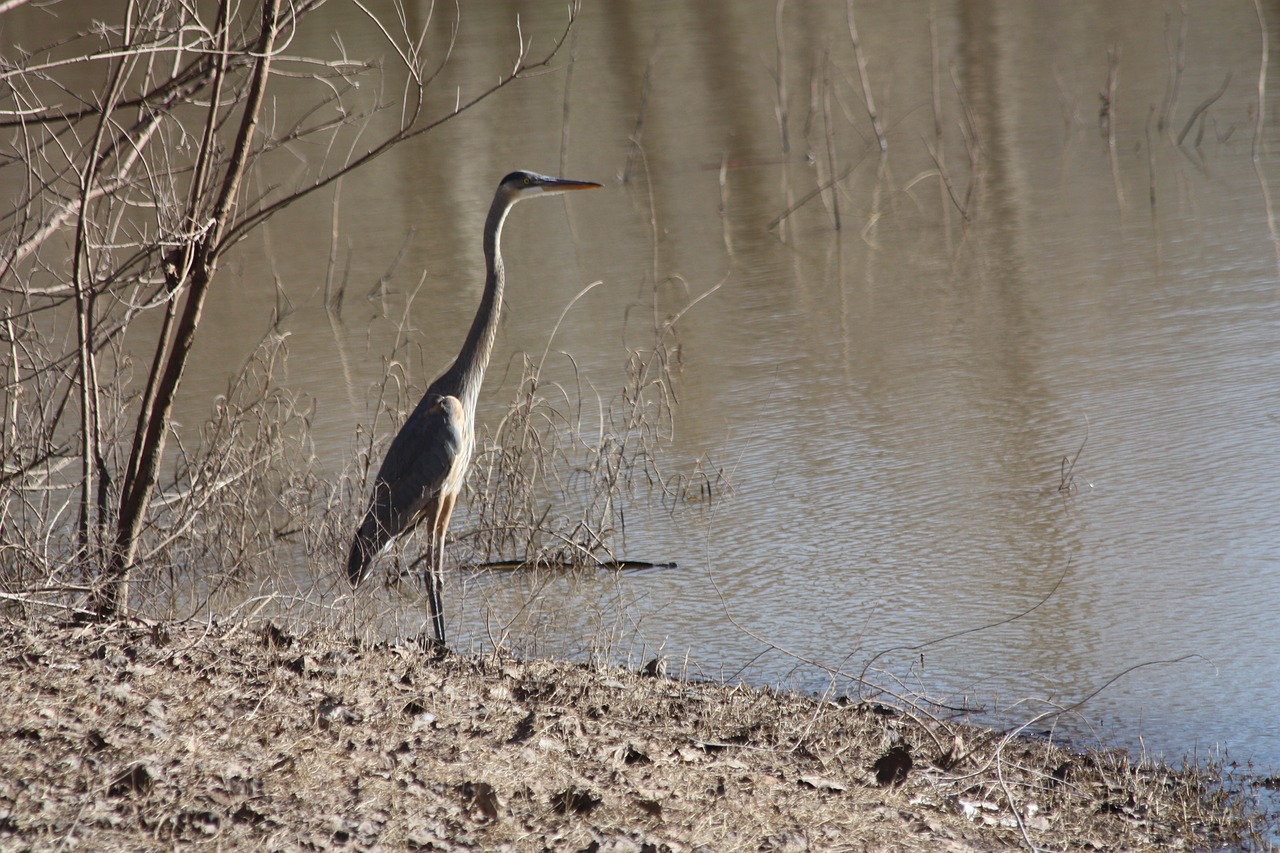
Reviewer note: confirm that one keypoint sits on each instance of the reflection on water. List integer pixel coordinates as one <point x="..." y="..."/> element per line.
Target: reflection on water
<point x="892" y="401"/>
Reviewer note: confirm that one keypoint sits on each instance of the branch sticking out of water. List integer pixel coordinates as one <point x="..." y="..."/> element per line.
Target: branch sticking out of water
<point x="1067" y="483"/>
<point x="1204" y="105"/>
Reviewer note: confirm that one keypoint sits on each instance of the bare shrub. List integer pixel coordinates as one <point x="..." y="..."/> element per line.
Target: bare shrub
<point x="126" y="143"/>
<point x="246" y="489"/>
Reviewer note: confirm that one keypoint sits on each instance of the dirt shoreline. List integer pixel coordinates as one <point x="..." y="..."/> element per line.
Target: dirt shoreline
<point x="129" y="736"/>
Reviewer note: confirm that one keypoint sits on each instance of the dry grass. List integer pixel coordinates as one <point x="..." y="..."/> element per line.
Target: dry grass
<point x="133" y="736"/>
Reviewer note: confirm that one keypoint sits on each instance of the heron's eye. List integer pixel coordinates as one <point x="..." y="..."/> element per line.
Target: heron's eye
<point x="527" y="181"/>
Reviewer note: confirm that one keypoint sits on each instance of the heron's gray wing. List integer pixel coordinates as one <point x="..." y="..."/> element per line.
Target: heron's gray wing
<point x="417" y="465"/>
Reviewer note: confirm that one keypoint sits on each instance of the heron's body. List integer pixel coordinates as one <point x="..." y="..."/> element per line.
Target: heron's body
<point x="426" y="464"/>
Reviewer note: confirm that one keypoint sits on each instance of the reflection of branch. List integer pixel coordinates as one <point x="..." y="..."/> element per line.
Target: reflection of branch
<point x="629" y="170"/>
<point x="1262" y="82"/>
<point x="1257" y="132"/>
<point x="780" y="78"/>
<point x="1109" y="119"/>
<point x="866" y="83"/>
<point x="946" y="179"/>
<point x="829" y="134"/>
<point x="1178" y="63"/>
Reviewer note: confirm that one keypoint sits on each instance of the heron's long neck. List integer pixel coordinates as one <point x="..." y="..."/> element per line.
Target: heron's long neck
<point x="464" y="378"/>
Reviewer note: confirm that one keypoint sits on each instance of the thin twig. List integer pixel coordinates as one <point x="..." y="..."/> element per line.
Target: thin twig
<point x="1067" y="481"/>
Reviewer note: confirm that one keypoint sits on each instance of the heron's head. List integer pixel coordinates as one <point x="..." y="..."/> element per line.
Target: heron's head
<point x="518" y="186"/>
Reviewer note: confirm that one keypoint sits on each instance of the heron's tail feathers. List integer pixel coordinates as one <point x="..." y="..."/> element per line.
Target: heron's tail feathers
<point x="364" y="548"/>
<point x="357" y="562"/>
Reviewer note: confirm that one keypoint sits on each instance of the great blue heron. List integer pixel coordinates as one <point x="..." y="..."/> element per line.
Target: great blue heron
<point x="426" y="464"/>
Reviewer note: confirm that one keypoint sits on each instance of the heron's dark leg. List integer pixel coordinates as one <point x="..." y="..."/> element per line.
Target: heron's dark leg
<point x="435" y="573"/>
<point x="432" y="578"/>
<point x="429" y="574"/>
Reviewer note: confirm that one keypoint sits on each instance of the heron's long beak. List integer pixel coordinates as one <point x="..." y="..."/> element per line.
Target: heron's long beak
<point x="565" y="184"/>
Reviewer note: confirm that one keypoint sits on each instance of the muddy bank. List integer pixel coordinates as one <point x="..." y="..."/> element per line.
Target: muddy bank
<point x="130" y="736"/>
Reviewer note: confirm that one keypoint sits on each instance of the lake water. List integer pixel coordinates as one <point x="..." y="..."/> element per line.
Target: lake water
<point x="882" y="386"/>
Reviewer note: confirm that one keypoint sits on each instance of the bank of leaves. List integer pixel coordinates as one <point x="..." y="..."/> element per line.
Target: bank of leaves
<point x="146" y="736"/>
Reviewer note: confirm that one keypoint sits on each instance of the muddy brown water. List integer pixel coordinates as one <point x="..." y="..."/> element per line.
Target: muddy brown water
<point x="890" y="400"/>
